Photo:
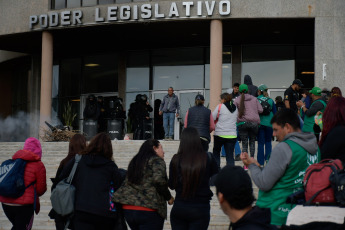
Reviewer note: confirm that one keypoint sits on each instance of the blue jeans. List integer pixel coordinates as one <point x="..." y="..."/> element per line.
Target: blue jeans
<point x="168" y="124"/>
<point x="190" y="217"/>
<point x="143" y="220"/>
<point x="264" y="143"/>
<point x="237" y="149"/>
<point x="229" y="146"/>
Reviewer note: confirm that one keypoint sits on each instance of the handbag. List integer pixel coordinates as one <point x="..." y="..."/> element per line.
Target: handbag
<point x="63" y="196"/>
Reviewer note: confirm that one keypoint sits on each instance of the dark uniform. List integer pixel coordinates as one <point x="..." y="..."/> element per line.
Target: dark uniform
<point x="292" y="96"/>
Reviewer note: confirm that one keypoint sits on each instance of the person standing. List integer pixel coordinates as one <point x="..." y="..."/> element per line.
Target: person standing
<point x="145" y="193"/>
<point x="235" y="195"/>
<point x="96" y="176"/>
<point x="318" y="104"/>
<point x="248" y="119"/>
<point x="189" y="173"/>
<point x="200" y="118"/>
<point x="265" y="129"/>
<point x="279" y="103"/>
<point x="76" y="145"/>
<point x="252" y="89"/>
<point x="225" y="131"/>
<point x="291" y="95"/>
<point x="284" y="172"/>
<point x="20" y="210"/>
<point x="170" y="107"/>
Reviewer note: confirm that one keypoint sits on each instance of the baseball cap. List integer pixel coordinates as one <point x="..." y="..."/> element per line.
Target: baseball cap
<point x="316" y="91"/>
<point x="298" y="82"/>
<point x="233" y="181"/>
<point x="243" y="88"/>
<point x="200" y="97"/>
<point x="262" y="87"/>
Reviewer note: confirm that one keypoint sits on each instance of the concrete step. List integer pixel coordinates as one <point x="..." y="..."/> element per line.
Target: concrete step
<point x="54" y="152"/>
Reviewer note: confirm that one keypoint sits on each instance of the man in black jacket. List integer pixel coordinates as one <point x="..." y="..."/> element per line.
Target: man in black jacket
<point x="235" y="195"/>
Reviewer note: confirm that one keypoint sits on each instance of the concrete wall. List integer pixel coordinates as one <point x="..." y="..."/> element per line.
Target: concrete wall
<point x="329" y="24"/>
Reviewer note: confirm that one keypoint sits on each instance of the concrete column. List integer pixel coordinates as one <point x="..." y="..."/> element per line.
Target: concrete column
<point x="46" y="78"/>
<point x="216" y="61"/>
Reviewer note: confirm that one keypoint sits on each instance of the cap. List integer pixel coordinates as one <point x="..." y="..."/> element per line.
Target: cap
<point x="262" y="87"/>
<point x="298" y="82"/>
<point x="200" y="97"/>
<point x="233" y="181"/>
<point x="316" y="91"/>
<point x="243" y="88"/>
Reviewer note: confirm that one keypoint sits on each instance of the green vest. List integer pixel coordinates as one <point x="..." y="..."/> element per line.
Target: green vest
<point x="266" y="119"/>
<point x="289" y="183"/>
<point x="309" y="122"/>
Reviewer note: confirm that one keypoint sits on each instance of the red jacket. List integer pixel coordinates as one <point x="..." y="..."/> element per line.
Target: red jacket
<point x="34" y="171"/>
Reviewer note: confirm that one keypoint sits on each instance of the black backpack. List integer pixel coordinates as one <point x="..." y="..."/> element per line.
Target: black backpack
<point x="265" y="106"/>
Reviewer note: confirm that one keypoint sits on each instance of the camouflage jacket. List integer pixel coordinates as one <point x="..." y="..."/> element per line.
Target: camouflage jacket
<point x="153" y="191"/>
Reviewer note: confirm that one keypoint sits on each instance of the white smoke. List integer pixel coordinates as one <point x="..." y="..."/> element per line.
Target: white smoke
<point x="15" y="128"/>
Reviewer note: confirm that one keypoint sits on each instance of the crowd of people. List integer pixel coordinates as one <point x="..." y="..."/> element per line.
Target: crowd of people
<point x="307" y="130"/>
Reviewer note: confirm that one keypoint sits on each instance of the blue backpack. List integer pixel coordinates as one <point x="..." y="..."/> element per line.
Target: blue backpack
<point x="12" y="178"/>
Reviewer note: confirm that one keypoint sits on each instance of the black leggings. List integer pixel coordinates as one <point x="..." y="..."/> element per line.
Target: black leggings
<point x="21" y="217"/>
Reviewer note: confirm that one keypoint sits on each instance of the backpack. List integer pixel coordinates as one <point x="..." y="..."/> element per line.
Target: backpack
<point x="265" y="106"/>
<point x="12" y="178"/>
<point x="63" y="196"/>
<point x="337" y="180"/>
<point x="316" y="182"/>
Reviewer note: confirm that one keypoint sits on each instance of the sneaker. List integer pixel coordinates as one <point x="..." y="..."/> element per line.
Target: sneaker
<point x="166" y="138"/>
<point x="245" y="168"/>
<point x="238" y="157"/>
<point x="170" y="139"/>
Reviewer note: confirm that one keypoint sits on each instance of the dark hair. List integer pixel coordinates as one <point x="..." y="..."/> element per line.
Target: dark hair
<point x="284" y="116"/>
<point x="226" y="96"/>
<point x="241" y="199"/>
<point x="279" y="99"/>
<point x="100" y="145"/>
<point x="333" y="115"/>
<point x="242" y="106"/>
<point x="336" y="92"/>
<point x="191" y="160"/>
<point x="236" y="84"/>
<point x="136" y="166"/>
<point x="76" y="145"/>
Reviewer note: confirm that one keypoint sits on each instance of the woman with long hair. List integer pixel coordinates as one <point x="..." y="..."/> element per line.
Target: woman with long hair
<point x="265" y="130"/>
<point x="190" y="172"/>
<point x="332" y="144"/>
<point x="96" y="176"/>
<point x="336" y="92"/>
<point x="248" y="119"/>
<point x="225" y="132"/>
<point x="76" y="145"/>
<point x="145" y="192"/>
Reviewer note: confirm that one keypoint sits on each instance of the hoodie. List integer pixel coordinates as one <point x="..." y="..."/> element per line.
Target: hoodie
<point x="256" y="219"/>
<point x="34" y="172"/>
<point x="252" y="109"/>
<point x="284" y="172"/>
<point x="93" y="179"/>
<point x="253" y="89"/>
<point x="227" y="117"/>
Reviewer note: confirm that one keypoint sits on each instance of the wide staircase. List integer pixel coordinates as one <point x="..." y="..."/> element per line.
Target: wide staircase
<point x="54" y="152"/>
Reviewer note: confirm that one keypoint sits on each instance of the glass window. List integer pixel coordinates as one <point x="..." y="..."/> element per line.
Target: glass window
<point x="58" y="4"/>
<point x="123" y="1"/>
<point x="179" y="68"/>
<point x="89" y="2"/>
<point x="69" y="77"/>
<point x="273" y="66"/>
<point x="100" y="73"/>
<point x="138" y="71"/>
<point x="73" y="3"/>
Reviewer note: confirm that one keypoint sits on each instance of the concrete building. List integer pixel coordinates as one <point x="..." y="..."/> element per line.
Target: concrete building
<point x="54" y="51"/>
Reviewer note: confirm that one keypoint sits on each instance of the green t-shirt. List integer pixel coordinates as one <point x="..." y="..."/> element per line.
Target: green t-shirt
<point x="266" y="119"/>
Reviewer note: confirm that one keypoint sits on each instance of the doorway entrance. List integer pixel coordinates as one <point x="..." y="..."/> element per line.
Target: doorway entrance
<point x="186" y="100"/>
<point x="106" y="98"/>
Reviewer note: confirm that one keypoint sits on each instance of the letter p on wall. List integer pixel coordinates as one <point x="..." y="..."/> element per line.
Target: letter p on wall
<point x="33" y="20"/>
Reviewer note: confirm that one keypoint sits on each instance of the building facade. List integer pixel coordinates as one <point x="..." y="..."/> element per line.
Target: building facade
<point x="54" y="51"/>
